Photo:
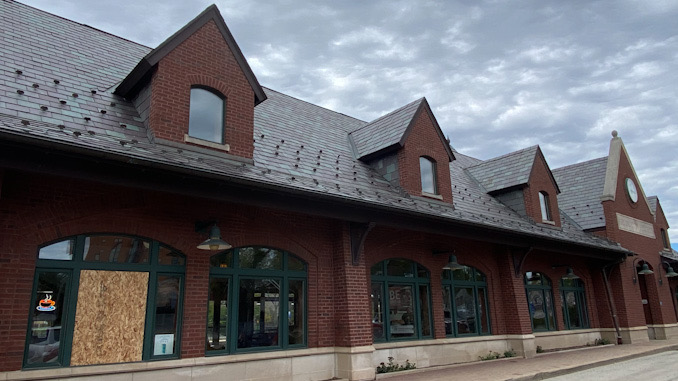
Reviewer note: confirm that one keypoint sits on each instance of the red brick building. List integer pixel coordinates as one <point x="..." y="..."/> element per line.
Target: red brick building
<point x="164" y="215"/>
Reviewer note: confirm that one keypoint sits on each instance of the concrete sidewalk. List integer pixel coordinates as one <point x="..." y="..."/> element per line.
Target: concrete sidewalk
<point x="537" y="368"/>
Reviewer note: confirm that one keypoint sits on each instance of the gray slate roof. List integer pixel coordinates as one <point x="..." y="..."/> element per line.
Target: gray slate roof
<point x="581" y="187"/>
<point x="505" y="171"/>
<point x="385" y="131"/>
<point x="298" y="146"/>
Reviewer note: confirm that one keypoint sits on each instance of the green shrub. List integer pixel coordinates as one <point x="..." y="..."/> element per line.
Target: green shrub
<point x="395" y="367"/>
<point x="601" y="342"/>
<point x="510" y="353"/>
<point x="490" y="356"/>
<point x="540" y="349"/>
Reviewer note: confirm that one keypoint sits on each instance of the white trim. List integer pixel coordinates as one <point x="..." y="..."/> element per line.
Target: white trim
<point x="206" y="143"/>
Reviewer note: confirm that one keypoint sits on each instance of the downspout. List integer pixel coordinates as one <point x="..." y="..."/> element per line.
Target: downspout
<point x="610" y="300"/>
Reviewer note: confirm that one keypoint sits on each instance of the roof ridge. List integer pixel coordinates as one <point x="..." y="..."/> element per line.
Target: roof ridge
<point x="488" y="161"/>
<point x="580" y="163"/>
<point x="79" y="23"/>
<point x="313" y="104"/>
<point x="388" y="114"/>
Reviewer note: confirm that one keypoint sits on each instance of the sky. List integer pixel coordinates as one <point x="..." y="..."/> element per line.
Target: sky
<point x="499" y="75"/>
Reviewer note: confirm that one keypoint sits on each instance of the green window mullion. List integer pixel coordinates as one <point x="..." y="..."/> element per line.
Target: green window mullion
<point x="234" y="318"/>
<point x="284" y="308"/>
<point x="417" y="309"/>
<point x="150" y="316"/>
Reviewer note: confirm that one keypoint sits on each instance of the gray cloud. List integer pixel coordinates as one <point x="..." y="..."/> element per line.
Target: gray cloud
<point x="499" y="75"/>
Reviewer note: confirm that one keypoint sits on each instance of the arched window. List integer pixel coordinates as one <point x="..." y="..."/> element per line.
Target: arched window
<point x="206" y="119"/>
<point x="257" y="301"/>
<point x="544" y="205"/>
<point x="427" y="168"/>
<point x="126" y="292"/>
<point x="465" y="305"/>
<point x="540" y="301"/>
<point x="574" y="303"/>
<point x="401" y="300"/>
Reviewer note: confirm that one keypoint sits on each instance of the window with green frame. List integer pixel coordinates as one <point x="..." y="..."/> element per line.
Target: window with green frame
<point x="401" y="300"/>
<point x="540" y="301"/>
<point x="257" y="301"/>
<point x="465" y="305"/>
<point x="574" y="303"/>
<point x="54" y="299"/>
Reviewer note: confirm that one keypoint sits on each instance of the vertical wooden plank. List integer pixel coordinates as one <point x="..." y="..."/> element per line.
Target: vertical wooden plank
<point x="110" y="316"/>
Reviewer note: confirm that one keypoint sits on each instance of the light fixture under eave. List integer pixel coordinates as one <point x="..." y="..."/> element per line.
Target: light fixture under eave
<point x="570" y="274"/>
<point x="453" y="264"/>
<point x="669" y="272"/>
<point x="645" y="270"/>
<point x="214" y="242"/>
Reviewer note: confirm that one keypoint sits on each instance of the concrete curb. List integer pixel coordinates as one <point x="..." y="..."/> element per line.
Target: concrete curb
<point x="577" y="368"/>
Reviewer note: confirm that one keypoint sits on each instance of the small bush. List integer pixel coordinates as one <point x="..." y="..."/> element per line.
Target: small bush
<point x="540" y="349"/>
<point x="510" y="353"/>
<point x="395" y="367"/>
<point x="601" y="342"/>
<point x="490" y="356"/>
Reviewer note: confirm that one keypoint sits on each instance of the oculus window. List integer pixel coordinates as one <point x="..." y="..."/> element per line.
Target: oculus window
<point x="400" y="300"/>
<point x="544" y="205"/>
<point x="257" y="301"/>
<point x="427" y="168"/>
<point x="126" y="292"/>
<point x="574" y="303"/>
<point x="540" y="301"/>
<point x="206" y="119"/>
<point x="465" y="305"/>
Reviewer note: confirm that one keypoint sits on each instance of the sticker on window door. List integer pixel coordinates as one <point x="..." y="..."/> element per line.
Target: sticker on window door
<point x="46" y="304"/>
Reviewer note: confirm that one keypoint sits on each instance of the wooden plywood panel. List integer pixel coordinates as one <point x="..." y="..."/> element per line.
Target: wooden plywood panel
<point x="109" y="318"/>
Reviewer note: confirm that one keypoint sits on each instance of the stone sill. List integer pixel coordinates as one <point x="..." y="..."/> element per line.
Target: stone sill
<point x="206" y="143"/>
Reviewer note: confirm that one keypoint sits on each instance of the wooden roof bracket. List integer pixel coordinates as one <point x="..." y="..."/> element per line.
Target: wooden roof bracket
<point x="358" y="232"/>
<point x="519" y="260"/>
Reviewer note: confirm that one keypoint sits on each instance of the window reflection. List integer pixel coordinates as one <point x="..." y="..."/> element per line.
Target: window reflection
<point x="206" y="120"/>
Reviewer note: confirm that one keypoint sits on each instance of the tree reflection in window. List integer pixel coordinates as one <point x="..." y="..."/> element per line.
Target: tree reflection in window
<point x="465" y="307"/>
<point x="266" y="306"/>
<point x="540" y="301"/>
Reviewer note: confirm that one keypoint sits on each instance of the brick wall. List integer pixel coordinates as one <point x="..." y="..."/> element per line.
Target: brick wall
<point x="35" y="210"/>
<point x="627" y="294"/>
<point x="423" y="140"/>
<point x="541" y="181"/>
<point x="202" y="59"/>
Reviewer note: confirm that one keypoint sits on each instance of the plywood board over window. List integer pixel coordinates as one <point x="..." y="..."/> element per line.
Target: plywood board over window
<point x="110" y="316"/>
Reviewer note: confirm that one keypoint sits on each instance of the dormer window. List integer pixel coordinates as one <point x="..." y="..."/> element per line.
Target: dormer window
<point x="544" y="204"/>
<point x="206" y="119"/>
<point x="427" y="167"/>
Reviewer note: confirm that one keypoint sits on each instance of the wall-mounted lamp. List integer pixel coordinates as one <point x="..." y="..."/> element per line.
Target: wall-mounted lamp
<point x="645" y="270"/>
<point x="452" y="264"/>
<point x="569" y="274"/>
<point x="669" y="272"/>
<point x="214" y="242"/>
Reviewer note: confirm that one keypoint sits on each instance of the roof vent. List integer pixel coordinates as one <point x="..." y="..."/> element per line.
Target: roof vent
<point x="62" y="101"/>
<point x="102" y="111"/>
<point x="18" y="71"/>
<point x="87" y="118"/>
<point x="43" y="108"/>
<point x="94" y="91"/>
<point x="75" y="95"/>
<point x="56" y="81"/>
<point x="35" y="85"/>
<point x="112" y="104"/>
<point x="20" y="92"/>
<point x="25" y="122"/>
<point x="77" y="133"/>
<point x="123" y="125"/>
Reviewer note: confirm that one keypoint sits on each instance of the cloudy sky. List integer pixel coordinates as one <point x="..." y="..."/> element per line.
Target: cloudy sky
<point x="499" y="75"/>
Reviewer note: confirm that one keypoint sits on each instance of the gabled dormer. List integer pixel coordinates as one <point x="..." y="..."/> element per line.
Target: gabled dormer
<point x="409" y="149"/>
<point x="196" y="88"/>
<point x="523" y="181"/>
<point x="627" y="210"/>
<point x="661" y="225"/>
